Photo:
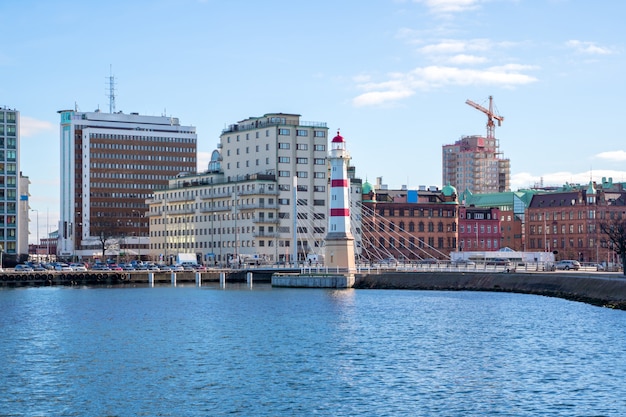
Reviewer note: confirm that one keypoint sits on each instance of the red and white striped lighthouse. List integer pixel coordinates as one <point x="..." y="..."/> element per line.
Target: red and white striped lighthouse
<point x="339" y="240"/>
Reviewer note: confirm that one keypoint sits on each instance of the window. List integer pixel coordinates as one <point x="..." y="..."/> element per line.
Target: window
<point x="319" y="175"/>
<point x="319" y="148"/>
<point x="284" y="159"/>
<point x="283" y="201"/>
<point x="285" y="132"/>
<point x="283" y="145"/>
<point x="302" y="132"/>
<point x="302" y="160"/>
<point x="302" y="174"/>
<point x="319" y="134"/>
<point x="319" y="188"/>
<point x="319" y="202"/>
<point x="302" y="146"/>
<point x="319" y="161"/>
<point x="284" y="174"/>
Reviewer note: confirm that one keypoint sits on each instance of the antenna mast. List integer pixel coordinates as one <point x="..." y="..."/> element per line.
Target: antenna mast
<point x="111" y="91"/>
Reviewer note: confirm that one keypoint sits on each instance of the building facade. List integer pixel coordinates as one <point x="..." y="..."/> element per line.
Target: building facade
<point x="480" y="229"/>
<point x="475" y="163"/>
<point x="567" y="222"/>
<point x="408" y="225"/>
<point x="110" y="164"/>
<point x="264" y="194"/>
<point x="13" y="208"/>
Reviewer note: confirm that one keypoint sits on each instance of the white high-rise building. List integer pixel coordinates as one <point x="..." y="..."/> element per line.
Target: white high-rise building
<point x="13" y="199"/>
<point x="110" y="164"/>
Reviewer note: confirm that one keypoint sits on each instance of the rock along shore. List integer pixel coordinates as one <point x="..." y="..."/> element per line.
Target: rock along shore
<point x="607" y="290"/>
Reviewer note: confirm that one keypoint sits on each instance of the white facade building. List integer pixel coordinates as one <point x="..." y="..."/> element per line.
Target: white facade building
<point x="243" y="208"/>
<point x="13" y="202"/>
<point x="110" y="164"/>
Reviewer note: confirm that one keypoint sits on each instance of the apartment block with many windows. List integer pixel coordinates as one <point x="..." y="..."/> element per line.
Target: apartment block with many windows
<point x="13" y="190"/>
<point x="265" y="192"/>
<point x="110" y="164"/>
<point x="475" y="163"/>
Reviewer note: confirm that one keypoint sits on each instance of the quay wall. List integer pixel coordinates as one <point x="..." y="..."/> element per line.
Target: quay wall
<point x="598" y="289"/>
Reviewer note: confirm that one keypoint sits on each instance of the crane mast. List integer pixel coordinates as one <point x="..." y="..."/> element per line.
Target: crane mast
<point x="491" y="127"/>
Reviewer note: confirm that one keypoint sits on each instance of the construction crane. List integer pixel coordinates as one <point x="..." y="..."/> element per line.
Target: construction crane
<point x="491" y="127"/>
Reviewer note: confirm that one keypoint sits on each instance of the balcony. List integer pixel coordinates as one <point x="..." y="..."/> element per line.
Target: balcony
<point x="266" y="235"/>
<point x="266" y="221"/>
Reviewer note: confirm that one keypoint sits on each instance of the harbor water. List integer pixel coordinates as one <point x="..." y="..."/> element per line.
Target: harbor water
<point x="263" y="351"/>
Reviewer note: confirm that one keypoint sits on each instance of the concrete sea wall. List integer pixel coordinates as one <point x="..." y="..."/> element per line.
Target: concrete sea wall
<point x="607" y="290"/>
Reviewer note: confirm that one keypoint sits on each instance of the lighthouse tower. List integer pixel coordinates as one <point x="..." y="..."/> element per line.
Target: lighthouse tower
<point x="339" y="240"/>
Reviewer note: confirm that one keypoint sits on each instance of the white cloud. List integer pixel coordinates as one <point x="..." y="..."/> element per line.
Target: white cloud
<point x="463" y="59"/>
<point x="528" y="180"/>
<point x="590" y="48"/>
<point x="31" y="127"/>
<point x="617" y="156"/>
<point x="450" y="6"/>
<point x="403" y="85"/>
<point x="379" y="97"/>
<point x="456" y="46"/>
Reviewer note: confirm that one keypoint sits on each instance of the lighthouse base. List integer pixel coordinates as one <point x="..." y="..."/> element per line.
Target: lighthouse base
<point x="313" y="280"/>
<point x="340" y="253"/>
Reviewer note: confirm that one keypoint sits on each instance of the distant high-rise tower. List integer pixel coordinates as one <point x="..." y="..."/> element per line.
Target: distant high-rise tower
<point x="13" y="201"/>
<point x="475" y="163"/>
<point x="339" y="240"/>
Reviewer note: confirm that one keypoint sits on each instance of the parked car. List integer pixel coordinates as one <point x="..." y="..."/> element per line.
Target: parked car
<point x="23" y="268"/>
<point x="100" y="267"/>
<point x="567" y="264"/>
<point x="499" y="262"/>
<point x="59" y="266"/>
<point x="78" y="267"/>
<point x="463" y="262"/>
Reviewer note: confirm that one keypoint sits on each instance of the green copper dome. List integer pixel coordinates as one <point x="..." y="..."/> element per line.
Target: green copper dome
<point x="366" y="188"/>
<point x="448" y="190"/>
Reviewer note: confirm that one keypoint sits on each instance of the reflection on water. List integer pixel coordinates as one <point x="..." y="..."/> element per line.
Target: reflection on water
<point x="268" y="351"/>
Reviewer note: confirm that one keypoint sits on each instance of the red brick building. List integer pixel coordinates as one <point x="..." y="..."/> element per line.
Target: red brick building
<point x="408" y="225"/>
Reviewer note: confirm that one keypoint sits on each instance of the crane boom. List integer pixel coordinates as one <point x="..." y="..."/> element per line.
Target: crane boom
<point x="491" y="127"/>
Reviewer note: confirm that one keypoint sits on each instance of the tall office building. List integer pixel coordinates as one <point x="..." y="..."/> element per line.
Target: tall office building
<point x="13" y="208"/>
<point x="266" y="188"/>
<point x="110" y="164"/>
<point x="475" y="163"/>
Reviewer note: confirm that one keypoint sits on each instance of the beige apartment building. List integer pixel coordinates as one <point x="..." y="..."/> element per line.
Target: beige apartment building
<point x="265" y="193"/>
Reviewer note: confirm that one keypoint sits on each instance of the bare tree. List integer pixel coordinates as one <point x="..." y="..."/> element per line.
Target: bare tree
<point x="615" y="231"/>
<point x="108" y="237"/>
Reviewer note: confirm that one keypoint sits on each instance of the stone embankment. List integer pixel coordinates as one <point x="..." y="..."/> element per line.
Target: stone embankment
<point x="602" y="289"/>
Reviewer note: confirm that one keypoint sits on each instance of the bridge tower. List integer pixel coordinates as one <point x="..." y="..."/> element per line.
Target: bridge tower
<point x="339" y="240"/>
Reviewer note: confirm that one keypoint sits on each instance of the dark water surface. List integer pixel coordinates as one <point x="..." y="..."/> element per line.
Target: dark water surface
<point x="265" y="351"/>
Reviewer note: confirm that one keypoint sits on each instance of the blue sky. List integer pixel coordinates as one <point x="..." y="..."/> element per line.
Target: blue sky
<point x="393" y="75"/>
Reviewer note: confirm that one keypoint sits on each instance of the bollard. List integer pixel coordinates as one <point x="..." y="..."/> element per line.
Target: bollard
<point x="249" y="279"/>
<point x="198" y="279"/>
<point x="151" y="279"/>
<point x="222" y="279"/>
<point x="173" y="279"/>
